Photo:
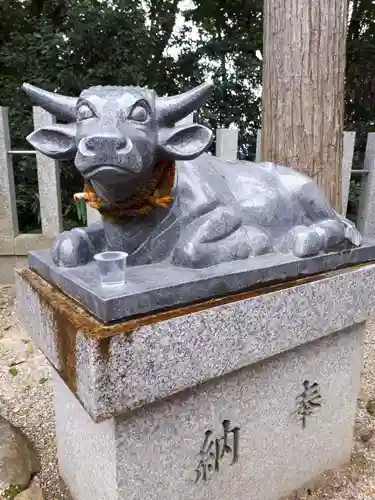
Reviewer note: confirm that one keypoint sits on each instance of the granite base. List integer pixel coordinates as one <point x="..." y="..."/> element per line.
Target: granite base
<point x="135" y="400"/>
<point x="154" y="453"/>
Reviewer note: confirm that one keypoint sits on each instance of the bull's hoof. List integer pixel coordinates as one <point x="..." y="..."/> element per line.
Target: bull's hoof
<point x="305" y="241"/>
<point x="72" y="249"/>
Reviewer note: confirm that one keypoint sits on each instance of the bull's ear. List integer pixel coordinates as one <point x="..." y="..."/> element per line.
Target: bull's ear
<point x="185" y="142"/>
<point x="56" y="141"/>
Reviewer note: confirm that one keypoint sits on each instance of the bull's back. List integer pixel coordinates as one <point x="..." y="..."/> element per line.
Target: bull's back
<point x="263" y="193"/>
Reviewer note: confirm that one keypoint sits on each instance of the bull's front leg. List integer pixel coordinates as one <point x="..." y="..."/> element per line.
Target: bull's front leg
<point x="215" y="237"/>
<point x="78" y="246"/>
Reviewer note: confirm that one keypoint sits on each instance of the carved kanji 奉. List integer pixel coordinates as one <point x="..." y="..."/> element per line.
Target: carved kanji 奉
<point x="124" y="141"/>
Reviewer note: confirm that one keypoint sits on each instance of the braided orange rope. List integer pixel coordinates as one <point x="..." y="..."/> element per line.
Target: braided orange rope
<point x="156" y="193"/>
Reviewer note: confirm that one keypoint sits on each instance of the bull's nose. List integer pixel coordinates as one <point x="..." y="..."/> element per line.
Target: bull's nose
<point x="96" y="143"/>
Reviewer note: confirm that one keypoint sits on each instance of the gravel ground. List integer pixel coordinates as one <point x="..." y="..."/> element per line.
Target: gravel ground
<point x="26" y="394"/>
<point x="26" y="400"/>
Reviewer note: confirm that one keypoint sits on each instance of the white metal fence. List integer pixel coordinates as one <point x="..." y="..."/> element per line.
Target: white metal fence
<point x="12" y="243"/>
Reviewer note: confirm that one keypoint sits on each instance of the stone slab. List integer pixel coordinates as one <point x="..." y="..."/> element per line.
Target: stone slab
<point x="153" y="453"/>
<point x="6" y="245"/>
<point x="117" y="368"/>
<point x="8" y="208"/>
<point x="160" y="286"/>
<point x="366" y="208"/>
<point x="48" y="171"/>
<point x="7" y="265"/>
<point x="24" y="243"/>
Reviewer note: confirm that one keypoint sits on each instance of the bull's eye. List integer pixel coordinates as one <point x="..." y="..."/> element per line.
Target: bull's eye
<point x="84" y="113"/>
<point x="139" y="114"/>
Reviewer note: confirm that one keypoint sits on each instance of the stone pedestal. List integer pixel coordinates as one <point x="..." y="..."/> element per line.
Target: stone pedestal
<point x="250" y="396"/>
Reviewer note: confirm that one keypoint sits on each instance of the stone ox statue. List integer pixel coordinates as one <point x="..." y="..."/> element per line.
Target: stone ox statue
<point x="124" y="141"/>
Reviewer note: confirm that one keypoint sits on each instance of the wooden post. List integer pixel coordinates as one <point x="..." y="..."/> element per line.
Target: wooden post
<point x="303" y="88"/>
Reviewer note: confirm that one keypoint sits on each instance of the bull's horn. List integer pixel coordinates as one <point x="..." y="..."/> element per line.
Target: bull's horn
<point x="173" y="109"/>
<point x="61" y="106"/>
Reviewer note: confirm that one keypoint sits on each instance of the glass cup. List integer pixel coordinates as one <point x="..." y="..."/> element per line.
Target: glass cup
<point x="112" y="268"/>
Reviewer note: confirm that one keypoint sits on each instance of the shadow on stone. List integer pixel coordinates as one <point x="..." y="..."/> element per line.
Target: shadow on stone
<point x="18" y="460"/>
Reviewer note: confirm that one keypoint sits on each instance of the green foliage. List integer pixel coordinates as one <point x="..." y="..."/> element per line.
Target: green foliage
<point x="353" y="200"/>
<point x="229" y="33"/>
<point x="360" y="66"/>
<point x="81" y="211"/>
<point x="360" y="85"/>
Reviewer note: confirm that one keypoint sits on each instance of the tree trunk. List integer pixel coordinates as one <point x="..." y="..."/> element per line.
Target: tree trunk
<point x="303" y="88"/>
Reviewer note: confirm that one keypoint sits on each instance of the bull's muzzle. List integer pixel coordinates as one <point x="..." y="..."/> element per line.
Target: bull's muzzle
<point x="97" y="151"/>
<point x="104" y="144"/>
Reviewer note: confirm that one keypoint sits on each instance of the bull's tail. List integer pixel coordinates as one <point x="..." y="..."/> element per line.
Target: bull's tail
<point x="351" y="232"/>
<point x="353" y="235"/>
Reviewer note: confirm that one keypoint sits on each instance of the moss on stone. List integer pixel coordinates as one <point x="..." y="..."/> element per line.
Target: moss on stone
<point x="12" y="491"/>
